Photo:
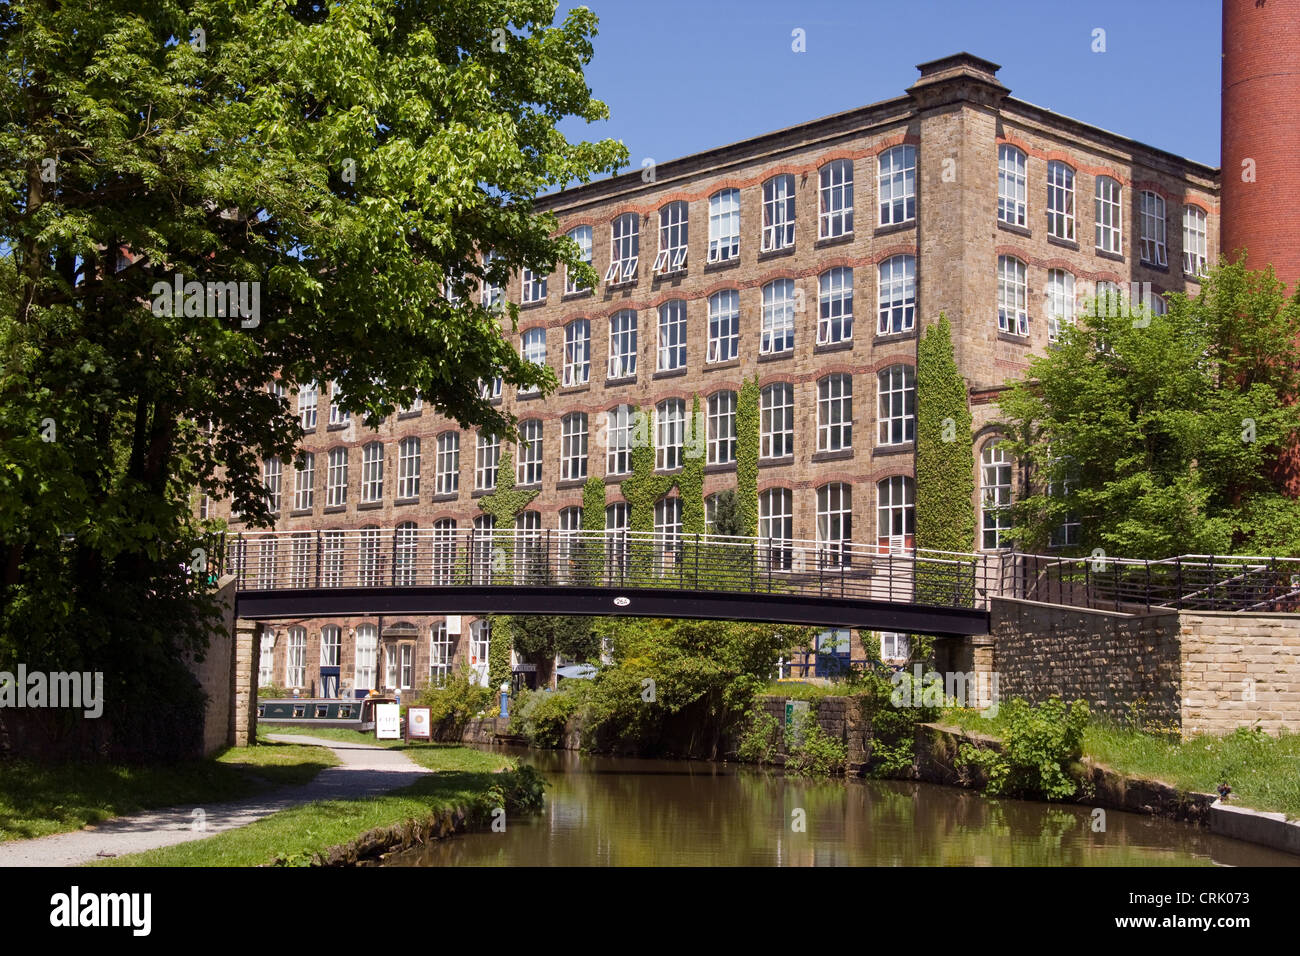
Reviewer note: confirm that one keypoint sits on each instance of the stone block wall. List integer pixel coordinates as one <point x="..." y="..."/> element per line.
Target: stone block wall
<point x="1197" y="672"/>
<point x="1116" y="662"/>
<point x="1240" y="670"/>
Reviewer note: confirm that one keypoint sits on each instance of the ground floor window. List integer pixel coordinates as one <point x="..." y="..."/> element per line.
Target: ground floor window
<point x="266" y="663"/>
<point x="439" y="655"/>
<point x="894" y="646"/>
<point x="480" y="642"/>
<point x="296" y="666"/>
<point x="367" y="651"/>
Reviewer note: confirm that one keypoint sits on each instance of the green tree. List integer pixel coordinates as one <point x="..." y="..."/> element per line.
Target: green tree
<point x="1160" y="434"/>
<point x="727" y="519"/>
<point x="357" y="162"/>
<point x="538" y="638"/>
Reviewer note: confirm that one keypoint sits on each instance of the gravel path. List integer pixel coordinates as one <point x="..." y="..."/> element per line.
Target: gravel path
<point x="364" y="771"/>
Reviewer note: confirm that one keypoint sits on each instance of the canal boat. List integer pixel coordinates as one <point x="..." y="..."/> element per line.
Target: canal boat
<point x="321" y="712"/>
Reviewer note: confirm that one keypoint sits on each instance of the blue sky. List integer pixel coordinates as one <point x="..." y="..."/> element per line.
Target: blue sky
<point x="681" y="76"/>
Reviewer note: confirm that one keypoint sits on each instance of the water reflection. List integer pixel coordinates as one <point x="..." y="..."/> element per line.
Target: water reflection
<point x="603" y="811"/>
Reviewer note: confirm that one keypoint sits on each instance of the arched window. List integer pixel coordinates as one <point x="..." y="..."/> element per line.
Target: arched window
<point x="896" y="417"/>
<point x="778" y="317"/>
<point x="834" y="523"/>
<point x="529" y="469"/>
<point x="670" y="428"/>
<point x="674" y="225"/>
<point x="724" y="225"/>
<point x="897" y="295"/>
<point x="1013" y="296"/>
<point x="835" y="217"/>
<point x="408" y="468"/>
<point x="776" y="524"/>
<point x="1011" y="186"/>
<point x="582" y="236"/>
<point x="444" y="551"/>
<point x="896" y="185"/>
<point x="895" y="514"/>
<point x="367" y="656"/>
<point x="406" y="553"/>
<point x="331" y="642"/>
<point x="835" y="306"/>
<point x="1109" y="216"/>
<point x="995" y="495"/>
<point x="480" y="648"/>
<point x="1060" y="200"/>
<point x="778" y="213"/>
<point x="672" y="335"/>
<point x="296" y="662"/>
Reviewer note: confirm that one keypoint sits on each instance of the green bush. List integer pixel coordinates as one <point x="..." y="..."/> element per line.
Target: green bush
<point x="810" y="751"/>
<point x="1038" y="750"/>
<point x="549" y="712"/>
<point x="892" y="722"/>
<point x="758" y="739"/>
<point x="454" y="704"/>
<point x="273" y="692"/>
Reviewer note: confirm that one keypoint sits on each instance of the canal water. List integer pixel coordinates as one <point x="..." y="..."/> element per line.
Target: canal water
<point x="609" y="811"/>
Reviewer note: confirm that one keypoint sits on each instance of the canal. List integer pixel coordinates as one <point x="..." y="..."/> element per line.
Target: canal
<point x="609" y="811"/>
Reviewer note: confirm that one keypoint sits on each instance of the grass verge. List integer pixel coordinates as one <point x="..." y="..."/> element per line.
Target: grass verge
<point x="1263" y="771"/>
<point x="465" y="778"/>
<point x="38" y="799"/>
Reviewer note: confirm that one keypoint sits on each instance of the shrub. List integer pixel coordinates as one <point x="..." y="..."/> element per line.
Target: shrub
<point x="454" y="704"/>
<point x="1040" y="746"/>
<point x="758" y="739"/>
<point x="547" y="713"/>
<point x="811" y="752"/>
<point x="272" y="692"/>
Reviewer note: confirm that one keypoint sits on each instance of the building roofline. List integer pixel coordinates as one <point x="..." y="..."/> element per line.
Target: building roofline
<point x="845" y="122"/>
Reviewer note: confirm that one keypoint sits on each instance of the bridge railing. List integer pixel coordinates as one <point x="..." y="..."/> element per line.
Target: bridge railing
<point x="1186" y="582"/>
<point x="425" y="557"/>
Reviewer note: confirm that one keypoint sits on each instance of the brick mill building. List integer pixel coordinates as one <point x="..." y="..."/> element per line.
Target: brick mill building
<point x="810" y="258"/>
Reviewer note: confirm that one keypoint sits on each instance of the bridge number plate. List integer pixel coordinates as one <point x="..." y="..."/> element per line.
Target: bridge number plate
<point x="622" y="601"/>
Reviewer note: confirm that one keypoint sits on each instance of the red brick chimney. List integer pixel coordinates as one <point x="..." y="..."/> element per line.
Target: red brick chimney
<point x="1261" y="135"/>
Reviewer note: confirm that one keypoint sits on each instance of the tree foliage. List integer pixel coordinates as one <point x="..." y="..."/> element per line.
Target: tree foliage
<point x="1161" y="433"/>
<point x="354" y="160"/>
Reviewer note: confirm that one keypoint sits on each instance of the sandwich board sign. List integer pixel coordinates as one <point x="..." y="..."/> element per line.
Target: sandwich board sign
<point x="419" y="724"/>
<point x="388" y="722"/>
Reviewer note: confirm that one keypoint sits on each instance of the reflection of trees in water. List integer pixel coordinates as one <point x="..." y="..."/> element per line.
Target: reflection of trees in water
<point x="629" y="813"/>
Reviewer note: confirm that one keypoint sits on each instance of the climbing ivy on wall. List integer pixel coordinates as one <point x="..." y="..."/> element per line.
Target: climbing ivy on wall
<point x="643" y="487"/>
<point x="504" y="505"/>
<point x="589" y="557"/>
<point x="690" y="482"/>
<point x="945" y="483"/>
<point x="499" y="646"/>
<point x="747" y="455"/>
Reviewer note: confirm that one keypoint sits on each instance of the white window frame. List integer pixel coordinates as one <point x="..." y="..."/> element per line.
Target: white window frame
<point x="995" y="495"/>
<point x="333" y="546"/>
<point x="272" y="474"/>
<point x="439" y="654"/>
<point x="776" y="421"/>
<point x="896" y="295"/>
<point x="1013" y="188"/>
<point x="532" y="348"/>
<point x="895" y="514"/>
<point x="622" y="344"/>
<point x="491" y="295"/>
<point x="674" y="232"/>
<point x="447" y="477"/>
<point x="618" y="456"/>
<point x="577" y="353"/>
<point x="724" y="225"/>
<point x="1060" y="200"/>
<point x="1109" y="216"/>
<point x="624" y="248"/>
<point x="528" y="469"/>
<point x="408" y="468"/>
<point x="724" y="326"/>
<point x="295" y="660"/>
<point x="778" y="213"/>
<point x="406" y="553"/>
<point x="834" y="523"/>
<point x="337" y="415"/>
<point x="670" y="434"/>
<point x="372" y="472"/>
<point x="444" y="551"/>
<point x="582" y="235"/>
<point x="896" y="405"/>
<point x="776" y="525"/>
<point x="1195" y="245"/>
<point x="721" y="445"/>
<point x="672" y="335"/>
<point x="307" y="401"/>
<point x="896" y="185"/>
<point x="534" y="287"/>
<point x="331" y="645"/>
<point x="778" y="317"/>
<point x="1060" y="301"/>
<point x="835" y="197"/>
<point x="1013" y="296"/>
<point x="487" y="457"/>
<point x="366" y="657"/>
<point x="304" y="482"/>
<point x="835" y="306"/>
<point x="573" y="446"/>
<point x="1151" y="215"/>
<point x="835" y="412"/>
